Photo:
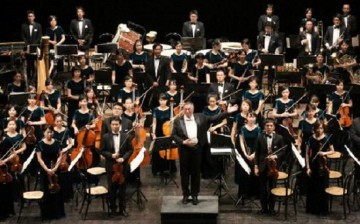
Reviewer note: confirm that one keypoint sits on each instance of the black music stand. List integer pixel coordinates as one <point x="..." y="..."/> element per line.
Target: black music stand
<point x="221" y="147"/>
<point x="288" y="77"/>
<point x="19" y="99"/>
<point x="193" y="44"/>
<point x="106" y="48"/>
<point x="272" y="60"/>
<point x="66" y="50"/>
<point x="181" y="78"/>
<point x="302" y="61"/>
<point x="166" y="143"/>
<point x="139" y="194"/>
<point x="114" y="91"/>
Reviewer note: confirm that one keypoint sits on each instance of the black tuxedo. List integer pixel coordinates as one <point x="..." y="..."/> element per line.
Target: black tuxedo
<point x="261" y="152"/>
<point x="228" y="89"/>
<point x="274" y="20"/>
<point x="190" y="158"/>
<point x="199" y="29"/>
<point x="328" y="38"/>
<point x="275" y="42"/>
<point x="351" y="25"/>
<point x="36" y="35"/>
<point x="107" y="149"/>
<point x="315" y="44"/>
<point x="87" y="32"/>
<point x="163" y="73"/>
<point x="126" y="125"/>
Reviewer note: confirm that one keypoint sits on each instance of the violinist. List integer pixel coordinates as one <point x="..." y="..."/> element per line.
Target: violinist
<point x="116" y="148"/>
<point x="139" y="57"/>
<point x="49" y="153"/>
<point x="129" y="91"/>
<point x="240" y="118"/>
<point x="282" y="104"/>
<point x="83" y="117"/>
<point x="75" y="87"/>
<point x="173" y="93"/>
<point x="240" y="72"/>
<point x="62" y="135"/>
<point x="213" y="109"/>
<point x="319" y="113"/>
<point x="7" y="186"/>
<point x="178" y="61"/>
<point x="305" y="129"/>
<point x="117" y="111"/>
<point x="50" y="99"/>
<point x="12" y="111"/>
<point x="92" y="102"/>
<point x="265" y="145"/>
<point x="339" y="98"/>
<point x="215" y="58"/>
<point x="244" y="144"/>
<point x="199" y="73"/>
<point x="222" y="88"/>
<point x="256" y="97"/>
<point x="87" y="72"/>
<point x="319" y="146"/>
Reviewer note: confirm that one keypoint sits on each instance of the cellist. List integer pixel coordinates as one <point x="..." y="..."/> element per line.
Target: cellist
<point x="116" y="148"/>
<point x="50" y="100"/>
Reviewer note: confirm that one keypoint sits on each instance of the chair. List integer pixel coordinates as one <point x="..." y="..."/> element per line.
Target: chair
<point x="343" y="191"/>
<point x="286" y="192"/>
<point x="338" y="169"/>
<point x="91" y="191"/>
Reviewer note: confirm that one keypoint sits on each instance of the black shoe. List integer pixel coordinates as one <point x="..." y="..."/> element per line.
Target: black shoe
<point x="113" y="213"/>
<point x="272" y="213"/>
<point x="195" y="200"/>
<point x="262" y="212"/>
<point x="185" y="199"/>
<point x="123" y="212"/>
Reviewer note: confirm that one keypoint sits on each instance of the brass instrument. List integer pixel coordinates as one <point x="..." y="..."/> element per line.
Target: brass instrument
<point x="315" y="77"/>
<point x="342" y="62"/>
<point x="321" y="35"/>
<point x="335" y="44"/>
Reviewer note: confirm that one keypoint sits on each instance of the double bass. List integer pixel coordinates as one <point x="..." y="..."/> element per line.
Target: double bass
<point x="172" y="153"/>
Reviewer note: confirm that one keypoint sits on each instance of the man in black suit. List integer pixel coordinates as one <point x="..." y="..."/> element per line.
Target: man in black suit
<point x="31" y="33"/>
<point x="309" y="40"/>
<point x="266" y="144"/>
<point x="193" y="28"/>
<point x="349" y="21"/>
<point x="126" y="124"/>
<point x="116" y="148"/>
<point x="189" y="133"/>
<point x="335" y="34"/>
<point x="269" y="17"/>
<point x="222" y="88"/>
<point x="81" y="30"/>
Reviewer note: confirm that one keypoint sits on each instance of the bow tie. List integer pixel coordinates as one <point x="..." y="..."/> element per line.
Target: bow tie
<point x="268" y="136"/>
<point x="115" y="134"/>
<point x="157" y="58"/>
<point x="193" y="23"/>
<point x="267" y="34"/>
<point x="336" y="27"/>
<point x="309" y="32"/>
<point x="221" y="84"/>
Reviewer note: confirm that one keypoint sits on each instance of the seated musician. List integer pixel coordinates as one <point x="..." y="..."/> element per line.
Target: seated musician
<point x="173" y="93"/>
<point x="75" y="87"/>
<point x="92" y="101"/>
<point x="282" y="104"/>
<point x="83" y="117"/>
<point x="308" y="17"/>
<point x="17" y="85"/>
<point x="344" y="62"/>
<point x="335" y="34"/>
<point x="240" y="72"/>
<point x="121" y="68"/>
<point x="139" y="57"/>
<point x="193" y="28"/>
<point x="309" y="40"/>
<point x="319" y="113"/>
<point x="116" y="148"/>
<point x="318" y="72"/>
<point x="50" y="99"/>
<point x="199" y="73"/>
<point x="82" y="30"/>
<point x="129" y="91"/>
<point x="87" y="72"/>
<point x="222" y="88"/>
<point x="252" y="56"/>
<point x="255" y="95"/>
<point x="57" y="37"/>
<point x="215" y="58"/>
<point x="266" y="145"/>
<point x="178" y="60"/>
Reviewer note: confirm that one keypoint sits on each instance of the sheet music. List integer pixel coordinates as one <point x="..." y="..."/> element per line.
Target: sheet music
<point x="220" y="151"/>
<point x="72" y="164"/>
<point x="298" y="156"/>
<point x="242" y="162"/>
<point x="138" y="159"/>
<point x="28" y="161"/>
<point x="352" y="155"/>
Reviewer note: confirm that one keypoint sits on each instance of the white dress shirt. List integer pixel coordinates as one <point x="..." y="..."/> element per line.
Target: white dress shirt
<point x="267" y="42"/>
<point x="193" y="28"/>
<point x="81" y="23"/>
<point x="116" y="139"/>
<point x="31" y="27"/>
<point x="191" y="127"/>
<point x="156" y="66"/>
<point x="309" y="37"/>
<point x="269" y="142"/>
<point x="336" y="35"/>
<point x="346" y="21"/>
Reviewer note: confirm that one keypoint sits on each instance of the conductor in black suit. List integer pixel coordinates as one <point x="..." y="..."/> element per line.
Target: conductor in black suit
<point x="269" y="17"/>
<point x="31" y="33"/>
<point x="82" y="30"/>
<point x="193" y="28"/>
<point x="189" y="133"/>
<point x="116" y="148"/>
<point x="266" y="144"/>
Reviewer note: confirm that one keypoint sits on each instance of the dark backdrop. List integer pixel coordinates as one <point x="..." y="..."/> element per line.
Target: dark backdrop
<point x="234" y="19"/>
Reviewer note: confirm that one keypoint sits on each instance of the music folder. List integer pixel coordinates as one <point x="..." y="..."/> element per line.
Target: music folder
<point x="221" y="145"/>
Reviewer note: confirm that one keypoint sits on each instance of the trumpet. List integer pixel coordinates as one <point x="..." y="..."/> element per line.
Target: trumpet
<point x="338" y="40"/>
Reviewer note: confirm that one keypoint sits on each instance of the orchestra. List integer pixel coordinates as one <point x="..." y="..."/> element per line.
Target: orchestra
<point x="183" y="96"/>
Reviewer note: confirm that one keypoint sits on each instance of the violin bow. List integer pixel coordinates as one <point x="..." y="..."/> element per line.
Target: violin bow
<point x="296" y="102"/>
<point x="231" y="94"/>
<point x="327" y="140"/>
<point x="277" y="151"/>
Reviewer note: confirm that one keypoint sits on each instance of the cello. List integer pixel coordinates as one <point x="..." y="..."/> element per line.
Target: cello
<point x="138" y="142"/>
<point x="49" y="116"/>
<point x="178" y="108"/>
<point x="172" y="153"/>
<point x="344" y="112"/>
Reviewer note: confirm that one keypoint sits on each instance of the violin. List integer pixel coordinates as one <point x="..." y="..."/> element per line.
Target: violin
<point x="64" y="165"/>
<point x="15" y="164"/>
<point x="322" y="160"/>
<point x="5" y="176"/>
<point x="30" y="138"/>
<point x="344" y="112"/>
<point x="54" y="186"/>
<point x="118" y="176"/>
<point x="172" y="153"/>
<point x="271" y="164"/>
<point x="49" y="116"/>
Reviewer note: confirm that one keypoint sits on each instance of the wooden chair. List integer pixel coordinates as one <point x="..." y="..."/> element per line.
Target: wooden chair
<point x="29" y="196"/>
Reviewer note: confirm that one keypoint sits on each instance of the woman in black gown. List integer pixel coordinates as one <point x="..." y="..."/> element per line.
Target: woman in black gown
<point x="75" y="88"/>
<point x="18" y="85"/>
<point x="319" y="146"/>
<point x="49" y="155"/>
<point x="87" y="72"/>
<point x="50" y="98"/>
<point x="129" y="91"/>
<point x="199" y="72"/>
<point x="121" y="68"/>
<point x="240" y="72"/>
<point x="12" y="115"/>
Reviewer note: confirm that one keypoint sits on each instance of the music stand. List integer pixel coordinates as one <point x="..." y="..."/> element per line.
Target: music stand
<point x="106" y="48"/>
<point x="181" y="78"/>
<point x="19" y="99"/>
<point x="222" y="147"/>
<point x="166" y="143"/>
<point x="66" y="50"/>
<point x="288" y="77"/>
<point x="272" y="60"/>
<point x="114" y="92"/>
<point x="193" y="44"/>
<point x="301" y="61"/>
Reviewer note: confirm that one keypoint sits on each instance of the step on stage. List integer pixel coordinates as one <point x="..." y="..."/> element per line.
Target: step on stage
<point x="173" y="211"/>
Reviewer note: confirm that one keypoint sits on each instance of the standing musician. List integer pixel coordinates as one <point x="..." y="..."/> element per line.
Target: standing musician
<point x="117" y="111"/>
<point x="116" y="148"/>
<point x="82" y="30"/>
<point x="17" y="85"/>
<point x="75" y="87"/>
<point x="318" y="72"/>
<point x="92" y="102"/>
<point x="344" y="62"/>
<point x="255" y="96"/>
<point x="222" y="88"/>
<point x="31" y="33"/>
<point x="178" y="60"/>
<point x="282" y="104"/>
<point x="193" y="28"/>
<point x="57" y="37"/>
<point x="335" y="34"/>
<point x="129" y="91"/>
<point x="158" y="67"/>
<point x="240" y="119"/>
<point x="173" y="93"/>
<point x="339" y="98"/>
<point x="87" y="72"/>
<point x="139" y="57"/>
<point x="309" y="40"/>
<point x="349" y="20"/>
<point x="354" y="133"/>
<point x="7" y="165"/>
<point x="213" y="109"/>
<point x="240" y="72"/>
<point x="50" y="99"/>
<point x="199" y="73"/>
<point x="269" y="18"/>
<point x="189" y="133"/>
<point x="305" y="129"/>
<point x="308" y="17"/>
<point x="245" y="142"/>
<point x="319" y="146"/>
<point x="12" y="111"/>
<point x="121" y="68"/>
<point x="215" y="58"/>
<point x="266" y="144"/>
<point x="49" y="153"/>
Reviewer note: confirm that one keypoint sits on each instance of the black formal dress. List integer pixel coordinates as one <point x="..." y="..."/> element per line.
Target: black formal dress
<point x="121" y="71"/>
<point x="13" y="88"/>
<point x="77" y="88"/>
